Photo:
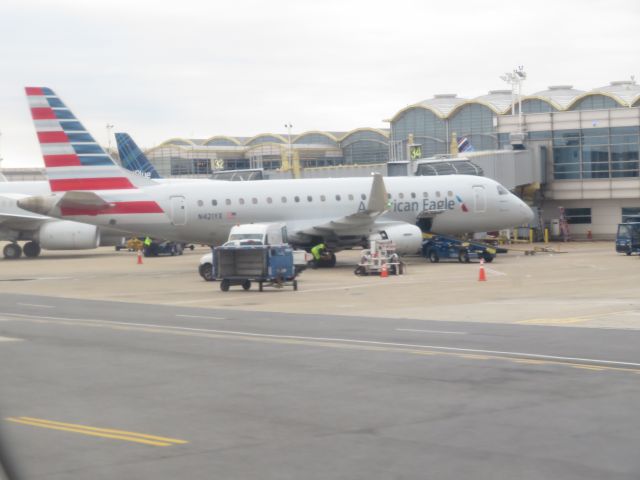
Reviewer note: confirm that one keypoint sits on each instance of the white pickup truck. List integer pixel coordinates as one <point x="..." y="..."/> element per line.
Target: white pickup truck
<point x="256" y="234"/>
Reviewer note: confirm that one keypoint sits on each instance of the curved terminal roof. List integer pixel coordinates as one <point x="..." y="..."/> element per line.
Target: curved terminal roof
<point x="442" y="104"/>
<point x="626" y="92"/>
<point x="269" y="138"/>
<point x="498" y="100"/>
<point x="560" y="96"/>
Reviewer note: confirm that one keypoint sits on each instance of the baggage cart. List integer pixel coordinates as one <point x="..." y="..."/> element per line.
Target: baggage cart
<point x="268" y="265"/>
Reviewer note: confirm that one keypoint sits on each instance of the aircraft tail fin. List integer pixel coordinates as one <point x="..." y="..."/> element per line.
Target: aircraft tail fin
<point x="133" y="158"/>
<point x="72" y="157"/>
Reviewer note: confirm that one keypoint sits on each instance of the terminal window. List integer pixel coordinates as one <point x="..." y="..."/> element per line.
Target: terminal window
<point x="578" y="215"/>
<point x="630" y="213"/>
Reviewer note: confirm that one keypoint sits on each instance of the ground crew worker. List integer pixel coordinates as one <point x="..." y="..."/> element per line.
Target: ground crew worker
<point x="317" y="253"/>
<point x="147" y="246"/>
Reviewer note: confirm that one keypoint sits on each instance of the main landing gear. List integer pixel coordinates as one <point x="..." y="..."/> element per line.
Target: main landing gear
<point x="327" y="260"/>
<point x="13" y="251"/>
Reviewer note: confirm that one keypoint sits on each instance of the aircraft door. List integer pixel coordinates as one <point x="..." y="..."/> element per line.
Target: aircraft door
<point x="178" y="210"/>
<point x="479" y="198"/>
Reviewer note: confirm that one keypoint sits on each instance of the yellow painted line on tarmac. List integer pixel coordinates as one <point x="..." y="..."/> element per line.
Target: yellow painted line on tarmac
<point x="552" y="321"/>
<point x="571" y="320"/>
<point x="143" y="438"/>
<point x="349" y="344"/>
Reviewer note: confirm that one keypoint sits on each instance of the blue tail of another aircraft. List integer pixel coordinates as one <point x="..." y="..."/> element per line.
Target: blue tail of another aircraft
<point x="132" y="157"/>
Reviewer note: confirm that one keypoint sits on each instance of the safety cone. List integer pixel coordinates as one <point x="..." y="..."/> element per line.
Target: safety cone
<point x="482" y="276"/>
<point x="139" y="257"/>
<point x="384" y="273"/>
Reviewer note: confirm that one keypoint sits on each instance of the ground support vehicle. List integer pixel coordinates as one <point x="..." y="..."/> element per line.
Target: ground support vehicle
<point x="436" y="247"/>
<point x="163" y="248"/>
<point x="380" y="257"/>
<point x="270" y="265"/>
<point x="628" y="238"/>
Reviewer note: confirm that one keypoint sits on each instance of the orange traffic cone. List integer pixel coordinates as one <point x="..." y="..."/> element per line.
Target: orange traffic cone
<point x="139" y="257"/>
<point x="482" y="276"/>
<point x="384" y="273"/>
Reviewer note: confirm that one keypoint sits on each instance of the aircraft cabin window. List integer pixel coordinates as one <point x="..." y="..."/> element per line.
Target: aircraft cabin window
<point x="401" y="195"/>
<point x="227" y="201"/>
<point x="254" y="200"/>
<point x="425" y="194"/>
<point x="350" y="197"/>
<point x="200" y="203"/>
<point x="388" y="196"/>
<point x="214" y="202"/>
<point x="296" y="199"/>
<point x="363" y="196"/>
<point x="269" y="200"/>
<point x="450" y="193"/>
<point x="338" y="197"/>
<point x="322" y="198"/>
<point x="309" y="198"/>
<point x="413" y="194"/>
<point x="241" y="201"/>
<point x="437" y="193"/>
<point x="502" y="190"/>
<point x="284" y="199"/>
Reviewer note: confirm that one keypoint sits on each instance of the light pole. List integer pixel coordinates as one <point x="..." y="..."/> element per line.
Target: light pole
<point x="109" y="129"/>
<point x="288" y="126"/>
<point x="515" y="79"/>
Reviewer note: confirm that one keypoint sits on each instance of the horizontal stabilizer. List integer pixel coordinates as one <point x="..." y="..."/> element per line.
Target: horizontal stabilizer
<point x="80" y="200"/>
<point x="72" y="200"/>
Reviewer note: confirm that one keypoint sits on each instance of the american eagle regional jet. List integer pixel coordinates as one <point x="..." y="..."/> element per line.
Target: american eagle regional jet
<point x="87" y="186"/>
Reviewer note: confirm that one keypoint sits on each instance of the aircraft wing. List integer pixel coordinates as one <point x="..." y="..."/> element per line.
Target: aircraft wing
<point x="13" y="218"/>
<point x="12" y="221"/>
<point x="361" y="220"/>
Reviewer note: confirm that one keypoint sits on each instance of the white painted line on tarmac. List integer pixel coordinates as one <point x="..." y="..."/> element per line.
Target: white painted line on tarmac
<point x="10" y="339"/>
<point x="56" y="278"/>
<point x="35" y="305"/>
<point x="429" y="331"/>
<point x="495" y="272"/>
<point x="200" y="316"/>
<point x="346" y="341"/>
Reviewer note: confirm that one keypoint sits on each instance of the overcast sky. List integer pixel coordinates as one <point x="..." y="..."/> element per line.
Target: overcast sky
<point x="186" y="68"/>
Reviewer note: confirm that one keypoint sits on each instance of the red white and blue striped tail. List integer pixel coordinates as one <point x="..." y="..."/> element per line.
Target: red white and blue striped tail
<point x="72" y="157"/>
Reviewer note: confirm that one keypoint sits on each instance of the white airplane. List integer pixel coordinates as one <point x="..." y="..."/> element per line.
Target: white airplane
<point x="89" y="187"/>
<point x="43" y="232"/>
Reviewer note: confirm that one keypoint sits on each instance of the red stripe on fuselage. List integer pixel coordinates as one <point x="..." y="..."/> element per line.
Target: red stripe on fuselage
<point x="42" y="113"/>
<point x="118" y="208"/>
<point x="53" y="137"/>
<point x="68" y="160"/>
<point x="34" y="90"/>
<point x="104" y="183"/>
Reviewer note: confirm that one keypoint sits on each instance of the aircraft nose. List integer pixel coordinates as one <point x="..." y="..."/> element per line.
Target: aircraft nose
<point x="525" y="212"/>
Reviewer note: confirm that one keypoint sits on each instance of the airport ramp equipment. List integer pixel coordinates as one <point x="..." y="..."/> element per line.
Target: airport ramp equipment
<point x="270" y="265"/>
<point x="437" y="247"/>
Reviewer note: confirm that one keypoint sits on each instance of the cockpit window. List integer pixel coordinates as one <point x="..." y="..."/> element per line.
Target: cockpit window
<point x="502" y="190"/>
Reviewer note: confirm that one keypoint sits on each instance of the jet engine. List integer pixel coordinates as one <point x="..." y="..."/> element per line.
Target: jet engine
<point x="407" y="238"/>
<point x="66" y="235"/>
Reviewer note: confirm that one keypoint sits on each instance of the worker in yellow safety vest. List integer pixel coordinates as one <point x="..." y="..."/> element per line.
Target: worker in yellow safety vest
<point x="317" y="253"/>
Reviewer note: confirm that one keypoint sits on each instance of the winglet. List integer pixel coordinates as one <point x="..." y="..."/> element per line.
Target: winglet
<point x="378" y="196"/>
